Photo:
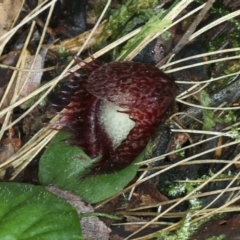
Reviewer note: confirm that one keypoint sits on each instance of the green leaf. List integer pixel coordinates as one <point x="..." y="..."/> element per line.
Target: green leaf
<point x="63" y="165"/>
<point x="32" y="213"/>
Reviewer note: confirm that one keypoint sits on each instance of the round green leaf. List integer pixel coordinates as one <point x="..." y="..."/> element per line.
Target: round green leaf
<point x="64" y="166"/>
<point x="33" y="213"/>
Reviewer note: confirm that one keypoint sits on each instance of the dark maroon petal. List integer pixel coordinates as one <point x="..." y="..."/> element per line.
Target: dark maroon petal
<point x="115" y="111"/>
<point x="131" y="84"/>
<point x="80" y="120"/>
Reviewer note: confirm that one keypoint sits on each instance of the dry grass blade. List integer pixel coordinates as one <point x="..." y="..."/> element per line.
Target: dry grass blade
<point x="164" y="26"/>
<point x="20" y="160"/>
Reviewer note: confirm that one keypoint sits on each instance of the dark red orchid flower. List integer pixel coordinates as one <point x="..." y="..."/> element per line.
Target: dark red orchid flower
<point x="115" y="109"/>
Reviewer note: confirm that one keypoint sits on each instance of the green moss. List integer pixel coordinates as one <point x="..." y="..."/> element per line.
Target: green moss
<point x="183" y="233"/>
<point x="180" y="153"/>
<point x="220" y="237"/>
<point x="179" y="189"/>
<point x="120" y="16"/>
<point x="209" y="121"/>
<point x="64" y="54"/>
